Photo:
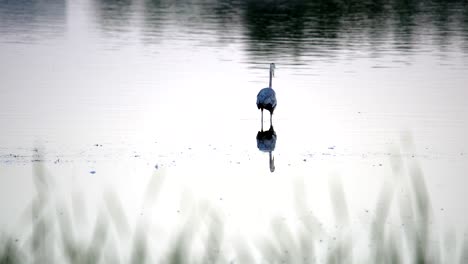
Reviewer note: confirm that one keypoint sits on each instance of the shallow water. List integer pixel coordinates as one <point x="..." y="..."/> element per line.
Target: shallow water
<point x="111" y="91"/>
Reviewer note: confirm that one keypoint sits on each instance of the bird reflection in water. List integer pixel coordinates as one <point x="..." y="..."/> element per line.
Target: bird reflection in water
<point x="266" y="142"/>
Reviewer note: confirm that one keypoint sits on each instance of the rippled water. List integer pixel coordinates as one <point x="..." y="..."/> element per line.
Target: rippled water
<point x="113" y="90"/>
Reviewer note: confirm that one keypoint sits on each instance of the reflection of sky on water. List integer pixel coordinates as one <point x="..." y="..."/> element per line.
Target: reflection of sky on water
<point x="173" y="86"/>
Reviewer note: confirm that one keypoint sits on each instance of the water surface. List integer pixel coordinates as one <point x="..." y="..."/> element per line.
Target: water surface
<point x="112" y="91"/>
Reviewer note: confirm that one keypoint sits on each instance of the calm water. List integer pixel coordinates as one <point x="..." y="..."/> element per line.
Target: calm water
<point x="112" y="91"/>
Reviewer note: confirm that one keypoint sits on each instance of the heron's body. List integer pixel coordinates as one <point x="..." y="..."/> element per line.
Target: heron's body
<point x="266" y="99"/>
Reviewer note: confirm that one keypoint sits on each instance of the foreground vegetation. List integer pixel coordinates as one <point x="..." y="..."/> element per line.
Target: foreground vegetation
<point x="53" y="234"/>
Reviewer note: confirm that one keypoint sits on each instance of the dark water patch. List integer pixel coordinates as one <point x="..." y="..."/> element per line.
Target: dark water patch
<point x="285" y="31"/>
<point x="114" y="16"/>
<point x="32" y="20"/>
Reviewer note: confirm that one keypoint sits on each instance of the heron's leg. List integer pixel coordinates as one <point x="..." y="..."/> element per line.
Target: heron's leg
<point x="262" y="119"/>
<point x="271" y="119"/>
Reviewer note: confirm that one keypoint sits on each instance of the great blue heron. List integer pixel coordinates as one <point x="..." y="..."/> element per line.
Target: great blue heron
<point x="266" y="98"/>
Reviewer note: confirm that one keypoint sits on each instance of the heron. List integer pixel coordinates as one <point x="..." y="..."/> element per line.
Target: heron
<point x="266" y="98"/>
<point x="266" y="142"/>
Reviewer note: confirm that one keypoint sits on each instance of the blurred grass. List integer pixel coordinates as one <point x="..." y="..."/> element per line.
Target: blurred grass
<point x="53" y="236"/>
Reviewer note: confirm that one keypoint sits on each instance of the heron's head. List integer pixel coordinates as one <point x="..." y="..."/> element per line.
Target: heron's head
<point x="272" y="69"/>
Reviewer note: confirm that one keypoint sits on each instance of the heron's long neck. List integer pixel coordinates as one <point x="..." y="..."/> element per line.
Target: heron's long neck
<point x="271" y="75"/>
